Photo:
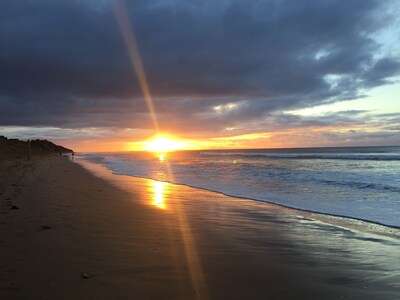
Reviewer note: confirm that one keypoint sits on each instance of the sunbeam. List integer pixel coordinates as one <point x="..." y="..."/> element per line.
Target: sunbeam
<point x="128" y="34"/>
<point x="193" y="260"/>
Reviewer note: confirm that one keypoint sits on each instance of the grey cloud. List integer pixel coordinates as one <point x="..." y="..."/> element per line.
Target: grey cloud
<point x="64" y="63"/>
<point x="381" y="72"/>
<point x="393" y="128"/>
<point x="364" y="138"/>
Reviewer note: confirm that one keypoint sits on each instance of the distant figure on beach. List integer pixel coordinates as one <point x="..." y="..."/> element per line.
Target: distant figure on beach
<point x="73" y="154"/>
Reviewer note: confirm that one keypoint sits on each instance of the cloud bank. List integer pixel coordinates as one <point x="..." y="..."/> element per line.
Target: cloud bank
<point x="210" y="65"/>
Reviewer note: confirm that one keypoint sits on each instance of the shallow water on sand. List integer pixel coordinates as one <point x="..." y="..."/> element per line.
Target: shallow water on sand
<point x="358" y="182"/>
<point x="246" y="241"/>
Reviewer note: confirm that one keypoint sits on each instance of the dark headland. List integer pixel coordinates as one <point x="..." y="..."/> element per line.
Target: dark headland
<point x="17" y="149"/>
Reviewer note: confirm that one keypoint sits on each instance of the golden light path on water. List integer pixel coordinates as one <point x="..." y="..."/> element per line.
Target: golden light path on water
<point x="192" y="258"/>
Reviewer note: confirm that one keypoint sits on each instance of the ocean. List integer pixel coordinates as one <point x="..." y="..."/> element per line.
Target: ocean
<point x="356" y="182"/>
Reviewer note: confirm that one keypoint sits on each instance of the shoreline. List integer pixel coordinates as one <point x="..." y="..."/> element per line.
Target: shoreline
<point x="322" y="215"/>
<point x="364" y="225"/>
<point x="136" y="238"/>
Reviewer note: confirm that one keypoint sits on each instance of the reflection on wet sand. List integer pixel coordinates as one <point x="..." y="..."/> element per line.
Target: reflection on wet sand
<point x="158" y="191"/>
<point x="161" y="192"/>
<point x="242" y="249"/>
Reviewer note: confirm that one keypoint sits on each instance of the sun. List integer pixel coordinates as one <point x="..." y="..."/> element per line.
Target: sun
<point x="163" y="144"/>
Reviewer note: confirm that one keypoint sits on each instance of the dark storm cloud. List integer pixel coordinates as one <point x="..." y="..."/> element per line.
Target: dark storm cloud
<point x="64" y="63"/>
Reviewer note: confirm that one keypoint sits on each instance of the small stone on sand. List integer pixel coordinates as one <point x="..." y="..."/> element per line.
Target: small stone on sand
<point x="44" y="227"/>
<point x="85" y="276"/>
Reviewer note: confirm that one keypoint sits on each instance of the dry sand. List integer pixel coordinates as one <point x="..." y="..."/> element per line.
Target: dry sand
<point x="139" y="239"/>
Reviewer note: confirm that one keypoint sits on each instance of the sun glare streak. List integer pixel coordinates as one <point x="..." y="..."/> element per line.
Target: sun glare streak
<point x="192" y="258"/>
<point x="128" y="34"/>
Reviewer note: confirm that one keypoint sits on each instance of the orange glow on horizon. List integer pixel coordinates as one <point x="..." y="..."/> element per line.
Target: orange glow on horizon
<point x="291" y="138"/>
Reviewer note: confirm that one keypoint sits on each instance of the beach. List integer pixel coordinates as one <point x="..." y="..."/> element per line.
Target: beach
<point x="74" y="232"/>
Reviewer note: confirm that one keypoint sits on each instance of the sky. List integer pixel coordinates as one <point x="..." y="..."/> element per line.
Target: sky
<point x="220" y="74"/>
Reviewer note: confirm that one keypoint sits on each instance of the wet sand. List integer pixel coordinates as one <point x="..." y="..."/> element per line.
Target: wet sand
<point x="72" y="235"/>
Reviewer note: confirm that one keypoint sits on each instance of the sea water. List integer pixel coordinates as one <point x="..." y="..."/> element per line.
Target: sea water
<point x="356" y="182"/>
